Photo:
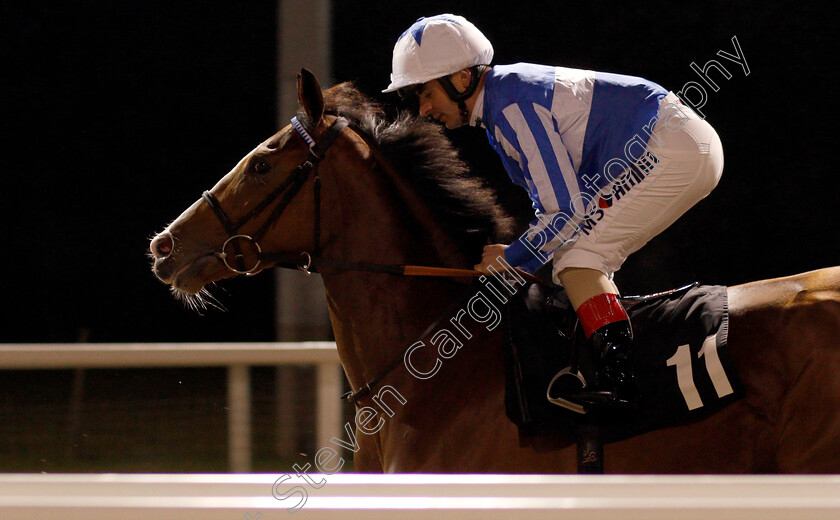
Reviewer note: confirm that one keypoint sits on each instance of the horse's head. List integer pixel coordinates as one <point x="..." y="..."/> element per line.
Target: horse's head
<point x="406" y="194"/>
<point x="225" y="232"/>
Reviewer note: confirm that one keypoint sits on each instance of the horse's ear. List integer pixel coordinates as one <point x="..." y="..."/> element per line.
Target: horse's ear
<point x="309" y="96"/>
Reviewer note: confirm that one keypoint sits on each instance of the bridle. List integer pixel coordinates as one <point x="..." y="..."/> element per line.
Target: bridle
<point x="286" y="191"/>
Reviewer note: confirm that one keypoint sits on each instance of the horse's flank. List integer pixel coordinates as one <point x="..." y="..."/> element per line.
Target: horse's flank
<point x="793" y="325"/>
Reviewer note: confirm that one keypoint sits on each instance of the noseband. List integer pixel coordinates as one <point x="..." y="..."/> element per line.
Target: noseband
<point x="286" y="191"/>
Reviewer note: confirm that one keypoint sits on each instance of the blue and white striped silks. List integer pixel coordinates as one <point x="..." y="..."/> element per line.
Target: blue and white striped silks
<point x="557" y="130"/>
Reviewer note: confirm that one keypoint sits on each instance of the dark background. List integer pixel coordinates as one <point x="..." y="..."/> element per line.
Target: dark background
<point x="116" y="115"/>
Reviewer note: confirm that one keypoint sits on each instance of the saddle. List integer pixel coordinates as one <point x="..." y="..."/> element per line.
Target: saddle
<point x="680" y="358"/>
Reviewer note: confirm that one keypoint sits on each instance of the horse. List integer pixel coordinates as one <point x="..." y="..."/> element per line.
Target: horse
<point x="355" y="192"/>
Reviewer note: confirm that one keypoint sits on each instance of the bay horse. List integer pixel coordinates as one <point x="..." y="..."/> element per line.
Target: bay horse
<point x="392" y="191"/>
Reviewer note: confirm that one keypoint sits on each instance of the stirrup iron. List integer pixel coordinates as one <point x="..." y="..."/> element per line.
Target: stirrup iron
<point x="565" y="403"/>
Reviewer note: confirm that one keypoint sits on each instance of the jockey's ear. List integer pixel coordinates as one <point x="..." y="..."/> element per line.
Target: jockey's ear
<point x="309" y="96"/>
<point x="461" y="79"/>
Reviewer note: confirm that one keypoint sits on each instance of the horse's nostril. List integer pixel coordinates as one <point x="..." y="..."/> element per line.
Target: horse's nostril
<point x="161" y="246"/>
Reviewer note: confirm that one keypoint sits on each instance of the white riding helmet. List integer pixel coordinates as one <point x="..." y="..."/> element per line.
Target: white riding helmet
<point x="437" y="46"/>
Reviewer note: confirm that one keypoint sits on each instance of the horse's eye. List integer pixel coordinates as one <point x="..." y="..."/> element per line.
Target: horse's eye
<point x="261" y="167"/>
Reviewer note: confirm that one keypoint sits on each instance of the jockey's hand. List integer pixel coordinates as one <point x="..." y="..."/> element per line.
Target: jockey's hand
<point x="490" y="257"/>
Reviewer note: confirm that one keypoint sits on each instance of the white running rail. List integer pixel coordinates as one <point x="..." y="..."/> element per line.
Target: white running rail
<point x="412" y="497"/>
<point x="237" y="357"/>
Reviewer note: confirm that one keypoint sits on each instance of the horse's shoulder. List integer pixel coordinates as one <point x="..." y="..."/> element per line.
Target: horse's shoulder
<point x="813" y="290"/>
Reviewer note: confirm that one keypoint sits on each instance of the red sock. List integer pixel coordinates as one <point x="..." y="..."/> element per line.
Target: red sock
<point x="600" y="310"/>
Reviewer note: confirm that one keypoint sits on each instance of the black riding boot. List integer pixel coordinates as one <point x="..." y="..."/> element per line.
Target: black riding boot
<point x="610" y="383"/>
<point x="614" y="385"/>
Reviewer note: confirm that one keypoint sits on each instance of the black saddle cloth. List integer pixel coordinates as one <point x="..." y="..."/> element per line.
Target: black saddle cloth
<point x="680" y="358"/>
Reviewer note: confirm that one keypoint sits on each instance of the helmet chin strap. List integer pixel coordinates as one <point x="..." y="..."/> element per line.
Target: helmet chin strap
<point x="461" y="97"/>
<point x="463" y="112"/>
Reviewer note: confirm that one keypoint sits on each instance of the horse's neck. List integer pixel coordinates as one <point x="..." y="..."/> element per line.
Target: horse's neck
<point x="380" y="218"/>
<point x="377" y="316"/>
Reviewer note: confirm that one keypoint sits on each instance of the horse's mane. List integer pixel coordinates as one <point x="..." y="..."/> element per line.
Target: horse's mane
<point x="465" y="206"/>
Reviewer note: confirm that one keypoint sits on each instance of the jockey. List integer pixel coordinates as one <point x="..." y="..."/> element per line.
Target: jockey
<point x="609" y="161"/>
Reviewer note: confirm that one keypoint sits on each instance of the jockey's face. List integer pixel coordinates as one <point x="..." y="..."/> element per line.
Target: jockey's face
<point x="435" y="103"/>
